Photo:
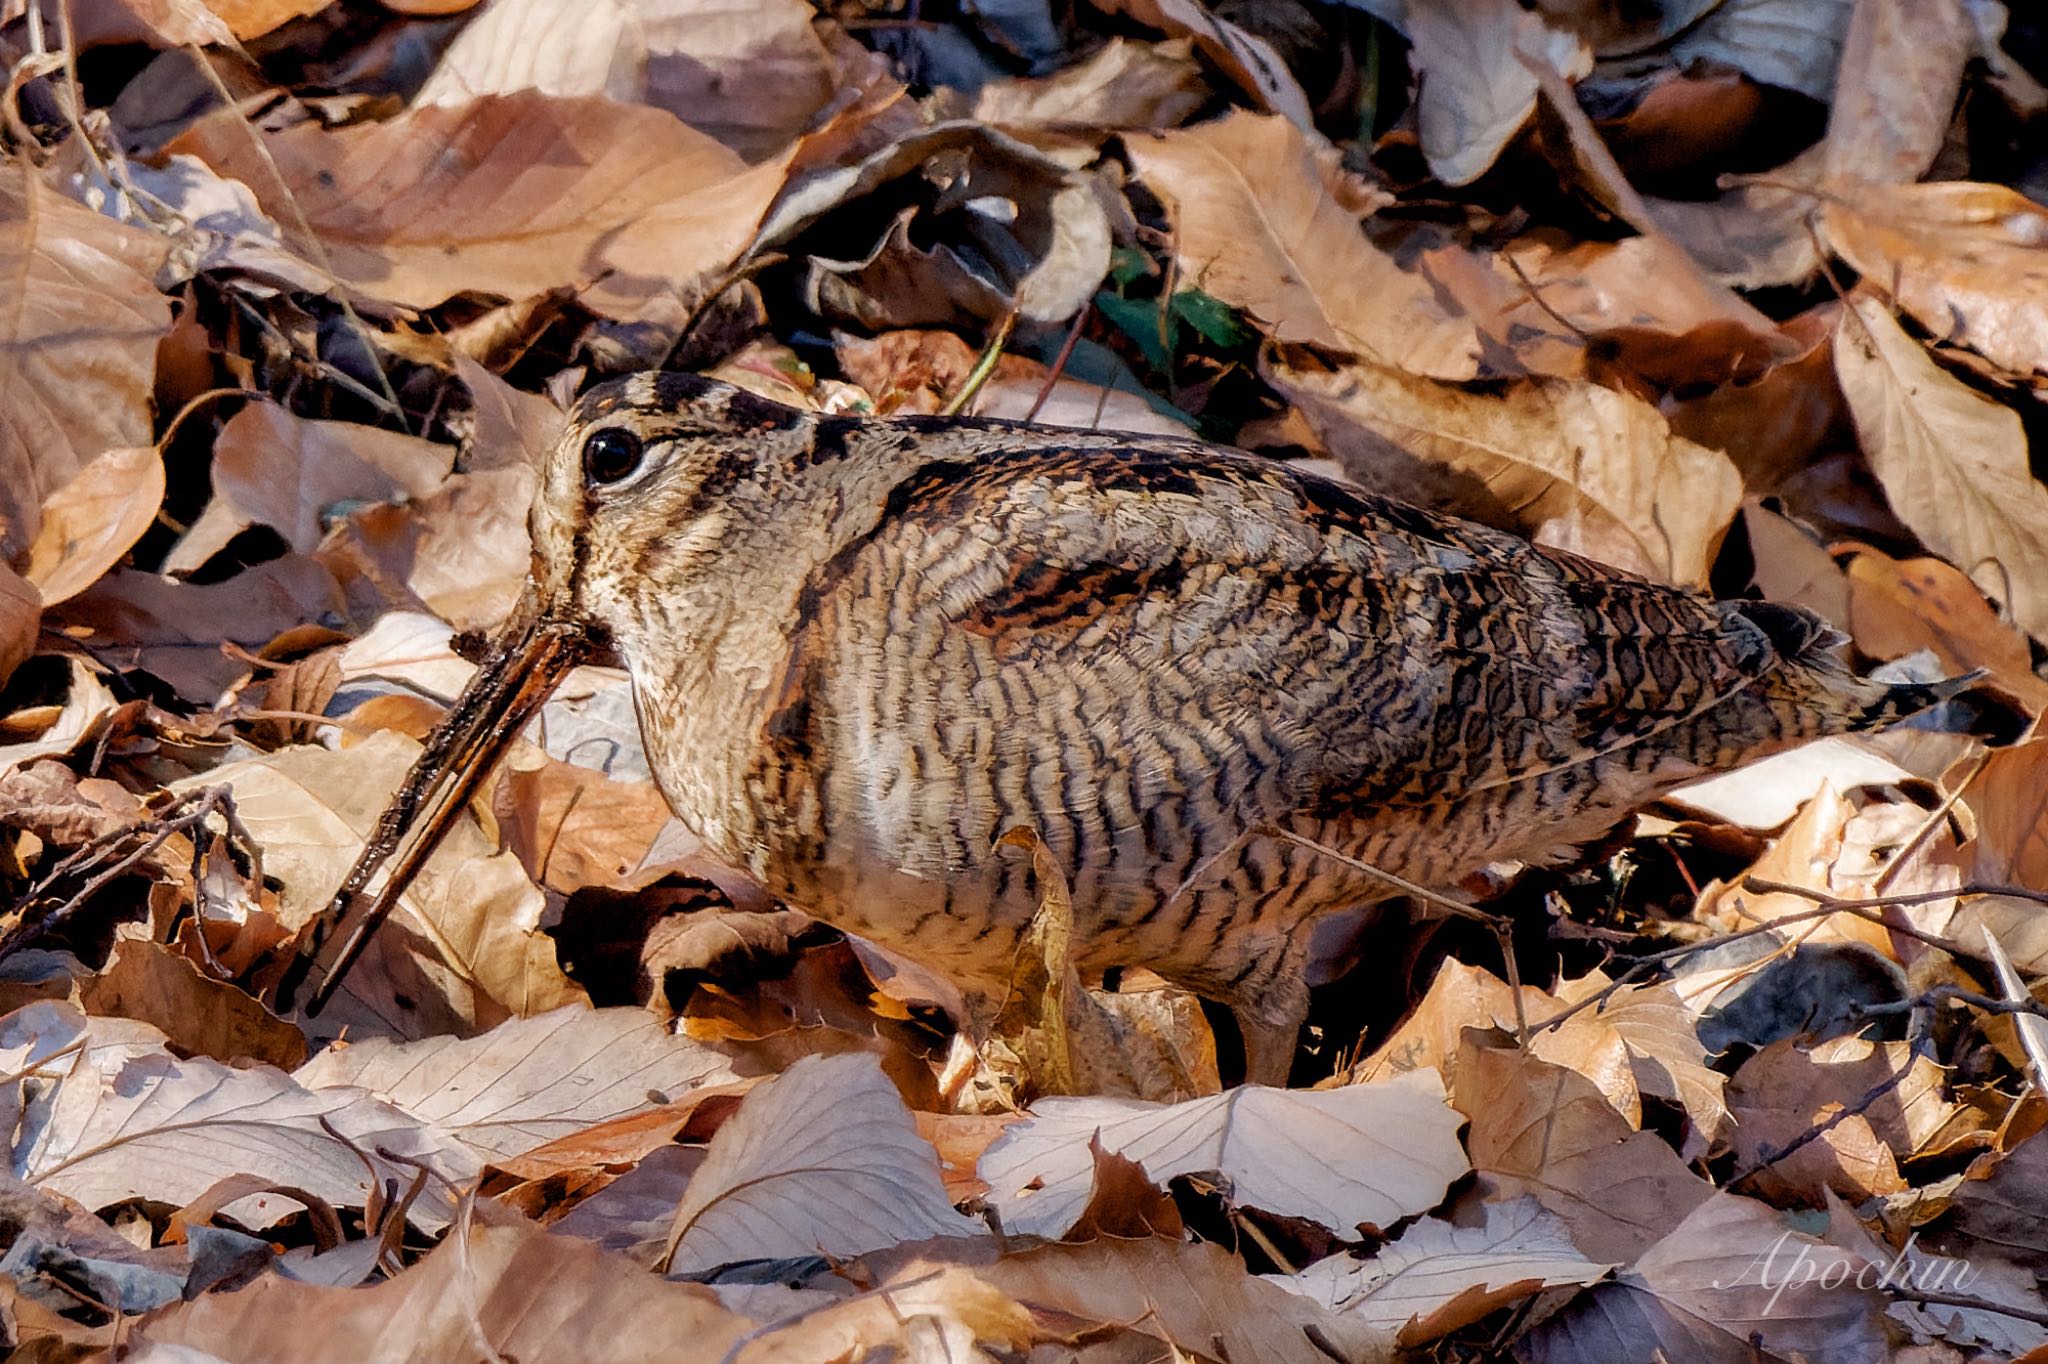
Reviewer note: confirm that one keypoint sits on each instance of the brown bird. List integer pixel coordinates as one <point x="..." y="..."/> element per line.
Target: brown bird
<point x="863" y="649"/>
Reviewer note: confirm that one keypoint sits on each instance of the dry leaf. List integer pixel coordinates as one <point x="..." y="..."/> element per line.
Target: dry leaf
<point x="1965" y="260"/>
<point x="1245" y="58"/>
<point x="497" y="1284"/>
<point x="463" y="950"/>
<point x="510" y="195"/>
<point x="1266" y="221"/>
<point x="1438" y="1277"/>
<point x="1898" y="607"/>
<point x="823" y="1159"/>
<point x="1125" y="84"/>
<point x="273" y="469"/>
<point x="528" y="1081"/>
<point x="1575" y="466"/>
<point x="98" y="1111"/>
<point x="750" y="73"/>
<point x="1953" y="463"/>
<point x="79" y="345"/>
<point x="1723" y="1275"/>
<point x="94" y="520"/>
<point x="1476" y="59"/>
<point x="1367" y="1154"/>
<point x="1895" y="92"/>
<point x="21" y="613"/>
<point x="200" y="1014"/>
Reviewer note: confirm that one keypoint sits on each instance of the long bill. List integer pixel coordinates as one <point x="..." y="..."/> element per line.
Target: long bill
<point x="522" y="669"/>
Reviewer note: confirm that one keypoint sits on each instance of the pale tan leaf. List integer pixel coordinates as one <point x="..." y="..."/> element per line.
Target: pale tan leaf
<point x="1438" y="1277"/>
<point x="1366" y="1154"/>
<point x="1966" y="260"/>
<point x="528" y="1081"/>
<point x="823" y="1159"/>
<point x="1895" y="91"/>
<point x="751" y="73"/>
<point x="254" y="18"/>
<point x="273" y="469"/>
<point x="496" y="1284"/>
<point x="1764" y="794"/>
<point x="510" y="195"/>
<point x="1575" y="465"/>
<point x="93" y="520"/>
<point x="1125" y="84"/>
<point x="1248" y="60"/>
<point x="1268" y="222"/>
<point x="77" y="345"/>
<point x="919" y="1314"/>
<point x="119" y="1117"/>
<point x="514" y="428"/>
<point x="1953" y="463"/>
<point x="1477" y="85"/>
<point x="464" y="949"/>
<point x="86" y="702"/>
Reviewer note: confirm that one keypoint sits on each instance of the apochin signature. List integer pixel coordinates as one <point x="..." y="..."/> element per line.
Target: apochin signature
<point x="1830" y="1267"/>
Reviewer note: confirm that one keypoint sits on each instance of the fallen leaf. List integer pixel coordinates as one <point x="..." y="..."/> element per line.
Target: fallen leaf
<point x="463" y="950"/>
<point x="199" y="1013"/>
<point x="1248" y="60"/>
<point x="1573" y="465"/>
<point x="528" y="1081"/>
<point x="509" y="195"/>
<point x="1367" y="1154"/>
<point x="1478" y="85"/>
<point x="1438" y="1277"/>
<point x="1898" y="607"/>
<point x="21" y="614"/>
<point x="1125" y="84"/>
<point x="1268" y="222"/>
<point x="1547" y="1131"/>
<point x="273" y="469"/>
<point x="750" y="73"/>
<point x="115" y="1116"/>
<point x="79" y="345"/>
<point x="1963" y="259"/>
<point x="1796" y="44"/>
<point x="823" y="1159"/>
<point x="1953" y="463"/>
<point x="1895" y="91"/>
<point x="497" y="1283"/>
<point x="1730" y="1282"/>
<point x="91" y="522"/>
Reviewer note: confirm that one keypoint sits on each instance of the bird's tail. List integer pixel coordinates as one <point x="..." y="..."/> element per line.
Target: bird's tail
<point x="1810" y="645"/>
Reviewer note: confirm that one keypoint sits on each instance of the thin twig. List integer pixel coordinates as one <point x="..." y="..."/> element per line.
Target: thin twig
<point x="984" y="366"/>
<point x="1059" y="362"/>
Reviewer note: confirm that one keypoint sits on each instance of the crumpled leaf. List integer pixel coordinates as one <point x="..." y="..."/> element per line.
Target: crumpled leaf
<point x="823" y="1159"/>
<point x="528" y="1081"/>
<point x="98" y="1111"/>
<point x="1953" y="463"/>
<point x="1269" y="223"/>
<point x="78" y="348"/>
<point x="1438" y="1277"/>
<point x="1361" y="1155"/>
<point x="1574" y="465"/>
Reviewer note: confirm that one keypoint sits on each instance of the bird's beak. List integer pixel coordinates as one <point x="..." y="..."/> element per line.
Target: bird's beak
<point x="525" y="663"/>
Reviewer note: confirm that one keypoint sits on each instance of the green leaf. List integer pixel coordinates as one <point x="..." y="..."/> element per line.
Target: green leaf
<point x="1128" y="264"/>
<point x="1139" y="320"/>
<point x="1216" y="321"/>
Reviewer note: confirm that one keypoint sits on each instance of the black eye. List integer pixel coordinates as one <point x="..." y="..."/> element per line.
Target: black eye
<point x="610" y="455"/>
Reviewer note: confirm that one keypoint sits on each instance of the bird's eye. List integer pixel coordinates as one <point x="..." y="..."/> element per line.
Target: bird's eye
<point x="610" y="455"/>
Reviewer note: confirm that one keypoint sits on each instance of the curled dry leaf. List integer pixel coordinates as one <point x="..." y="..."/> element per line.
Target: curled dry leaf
<point x="99" y="1112"/>
<point x="1574" y="465"/>
<point x="1438" y="1277"/>
<point x="1267" y="221"/>
<point x="823" y="1159"/>
<point x="1125" y="84"/>
<point x="1248" y="60"/>
<point x="497" y="1283"/>
<point x="94" y="520"/>
<point x="511" y="195"/>
<point x="1965" y="260"/>
<point x="273" y="469"/>
<point x="463" y="951"/>
<point x="1726" y="1271"/>
<point x="77" y="349"/>
<point x="528" y="1081"/>
<point x="198" y="1013"/>
<point x="1367" y="1154"/>
<point x="1953" y="463"/>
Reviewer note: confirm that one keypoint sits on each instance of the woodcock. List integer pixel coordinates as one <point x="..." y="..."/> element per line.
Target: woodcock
<point x="864" y="649"/>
